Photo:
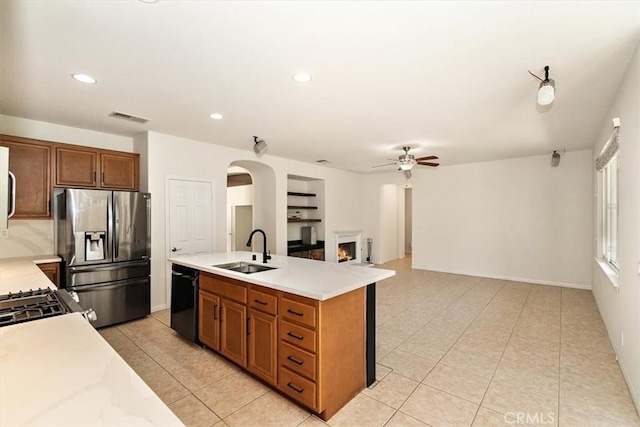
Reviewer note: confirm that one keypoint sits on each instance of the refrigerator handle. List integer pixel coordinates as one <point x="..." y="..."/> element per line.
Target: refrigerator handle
<point x="116" y="231"/>
<point x="12" y="211"/>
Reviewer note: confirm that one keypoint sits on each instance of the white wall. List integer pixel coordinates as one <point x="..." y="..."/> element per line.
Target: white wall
<point x="621" y="311"/>
<point x="383" y="219"/>
<point x="408" y="218"/>
<point x="35" y="237"/>
<point x="240" y="195"/>
<point x="517" y="219"/>
<point x="174" y="156"/>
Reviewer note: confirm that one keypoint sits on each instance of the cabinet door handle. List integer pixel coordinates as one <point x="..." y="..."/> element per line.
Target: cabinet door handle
<point x="295" y="312"/>
<point x="220" y="313"/>
<point x="296" y="336"/>
<point x="296" y="361"/>
<point x="298" y="389"/>
<point x="94" y="177"/>
<point x="260" y="302"/>
<point x="215" y="312"/>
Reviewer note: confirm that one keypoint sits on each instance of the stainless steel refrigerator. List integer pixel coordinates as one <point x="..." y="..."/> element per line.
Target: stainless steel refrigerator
<point x="104" y="239"/>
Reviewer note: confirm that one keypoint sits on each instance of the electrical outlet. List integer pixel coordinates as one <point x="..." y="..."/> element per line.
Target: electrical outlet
<point x="4" y="234"/>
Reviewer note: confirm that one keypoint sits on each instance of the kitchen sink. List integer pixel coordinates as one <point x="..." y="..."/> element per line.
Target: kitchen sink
<point x="244" y="267"/>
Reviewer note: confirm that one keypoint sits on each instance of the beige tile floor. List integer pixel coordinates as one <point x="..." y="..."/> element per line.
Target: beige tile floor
<point x="452" y="351"/>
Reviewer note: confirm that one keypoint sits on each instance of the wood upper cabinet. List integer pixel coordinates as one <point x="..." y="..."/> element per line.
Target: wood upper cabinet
<point x="76" y="167"/>
<point x="120" y="171"/>
<point x="94" y="168"/>
<point x="30" y="162"/>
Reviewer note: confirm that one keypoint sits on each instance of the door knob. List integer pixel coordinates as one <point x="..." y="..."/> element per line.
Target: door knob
<point x="176" y="249"/>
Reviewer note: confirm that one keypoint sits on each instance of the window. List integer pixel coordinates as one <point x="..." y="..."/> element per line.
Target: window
<point x="610" y="212"/>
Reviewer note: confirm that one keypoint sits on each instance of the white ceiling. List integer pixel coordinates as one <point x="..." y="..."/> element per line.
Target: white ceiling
<point x="447" y="78"/>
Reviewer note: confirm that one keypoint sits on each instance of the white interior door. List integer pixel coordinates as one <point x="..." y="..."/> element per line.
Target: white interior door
<point x="242" y="226"/>
<point x="190" y="217"/>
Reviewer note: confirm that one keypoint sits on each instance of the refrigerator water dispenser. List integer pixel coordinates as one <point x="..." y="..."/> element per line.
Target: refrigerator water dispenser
<point x="94" y="245"/>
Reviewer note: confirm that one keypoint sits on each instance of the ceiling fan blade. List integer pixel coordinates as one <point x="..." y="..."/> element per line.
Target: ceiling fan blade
<point x="386" y="164"/>
<point x="426" y="158"/>
<point x="428" y="164"/>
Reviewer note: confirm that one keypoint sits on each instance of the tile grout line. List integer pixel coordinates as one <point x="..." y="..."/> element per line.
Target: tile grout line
<point x="501" y="354"/>
<point x="461" y="333"/>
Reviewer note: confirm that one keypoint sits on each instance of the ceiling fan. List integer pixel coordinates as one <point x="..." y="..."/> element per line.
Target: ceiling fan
<point x="407" y="161"/>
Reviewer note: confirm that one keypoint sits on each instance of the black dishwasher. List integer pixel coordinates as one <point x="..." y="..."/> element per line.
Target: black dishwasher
<point x="184" y="301"/>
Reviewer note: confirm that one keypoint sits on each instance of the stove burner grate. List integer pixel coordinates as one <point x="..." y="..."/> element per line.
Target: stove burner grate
<point x="29" y="305"/>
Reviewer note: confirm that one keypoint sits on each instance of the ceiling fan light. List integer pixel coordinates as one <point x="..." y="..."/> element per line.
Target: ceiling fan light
<point x="547" y="92"/>
<point x="406" y="166"/>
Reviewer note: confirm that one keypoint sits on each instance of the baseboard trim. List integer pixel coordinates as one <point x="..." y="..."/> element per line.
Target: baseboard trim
<point x="512" y="279"/>
<point x="632" y="390"/>
<point x="158" y="307"/>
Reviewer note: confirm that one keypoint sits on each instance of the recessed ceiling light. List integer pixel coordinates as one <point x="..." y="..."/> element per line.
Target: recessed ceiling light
<point x="149" y="1"/>
<point x="84" y="78"/>
<point x="302" y="77"/>
<point x="215" y="116"/>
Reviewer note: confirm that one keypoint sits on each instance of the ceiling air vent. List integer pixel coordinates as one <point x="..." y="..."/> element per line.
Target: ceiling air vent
<point x="129" y="117"/>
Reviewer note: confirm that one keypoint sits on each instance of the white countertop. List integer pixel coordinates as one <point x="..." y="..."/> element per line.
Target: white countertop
<point x="314" y="279"/>
<point x="60" y="372"/>
<point x="23" y="274"/>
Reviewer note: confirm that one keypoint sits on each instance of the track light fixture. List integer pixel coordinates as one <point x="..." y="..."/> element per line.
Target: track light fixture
<point x="259" y="146"/>
<point x="547" y="89"/>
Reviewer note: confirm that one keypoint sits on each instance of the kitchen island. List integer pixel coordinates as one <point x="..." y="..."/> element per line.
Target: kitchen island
<point x="306" y="328"/>
<point x="59" y="371"/>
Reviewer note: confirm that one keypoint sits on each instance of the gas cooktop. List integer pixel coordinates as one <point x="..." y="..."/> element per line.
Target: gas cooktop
<point x="37" y="304"/>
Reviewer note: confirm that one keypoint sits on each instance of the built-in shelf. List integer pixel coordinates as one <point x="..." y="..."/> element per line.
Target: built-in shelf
<point x="304" y="220"/>
<point x="302" y="207"/>
<point x="293" y="193"/>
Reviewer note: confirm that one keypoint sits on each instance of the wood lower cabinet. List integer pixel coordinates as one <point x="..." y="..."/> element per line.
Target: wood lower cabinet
<point x="30" y="162"/>
<point x="233" y="331"/>
<point x="208" y="324"/>
<point x="52" y="270"/>
<point x="263" y="342"/>
<point x="312" y="351"/>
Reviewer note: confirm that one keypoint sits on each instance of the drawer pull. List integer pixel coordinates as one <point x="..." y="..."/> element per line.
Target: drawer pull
<point x="294" y="360"/>
<point x="260" y="302"/>
<point x="297" y="313"/>
<point x="296" y="336"/>
<point x="298" y="389"/>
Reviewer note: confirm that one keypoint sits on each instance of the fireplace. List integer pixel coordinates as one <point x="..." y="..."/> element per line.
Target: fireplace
<point x="348" y="247"/>
<point x="346" y="251"/>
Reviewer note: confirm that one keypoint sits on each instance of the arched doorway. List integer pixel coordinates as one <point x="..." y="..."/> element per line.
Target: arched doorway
<point x="261" y="197"/>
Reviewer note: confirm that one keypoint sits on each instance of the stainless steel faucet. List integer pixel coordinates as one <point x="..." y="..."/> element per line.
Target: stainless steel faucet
<point x="265" y="256"/>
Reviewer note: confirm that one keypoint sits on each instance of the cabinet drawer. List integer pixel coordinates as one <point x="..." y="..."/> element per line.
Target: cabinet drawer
<point x="298" y="312"/>
<point x="298" y="336"/>
<point x="263" y="302"/>
<point x="226" y="288"/>
<point x="299" y="388"/>
<point x="297" y="360"/>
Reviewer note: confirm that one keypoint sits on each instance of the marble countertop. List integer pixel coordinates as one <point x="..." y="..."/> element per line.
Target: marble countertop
<point x="22" y="273"/>
<point x="60" y="372"/>
<point x="314" y="279"/>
